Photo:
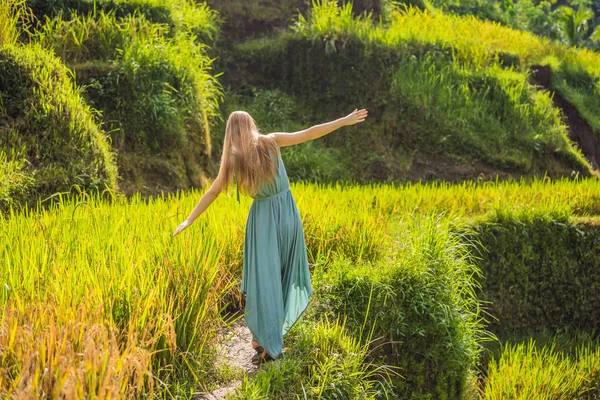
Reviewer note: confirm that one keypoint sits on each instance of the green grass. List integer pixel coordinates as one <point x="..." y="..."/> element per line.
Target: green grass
<point x="179" y="15"/>
<point x="154" y="302"/>
<point x="472" y="42"/>
<point x="529" y="370"/>
<point x="99" y="300"/>
<point x="323" y="361"/>
<point x="145" y="67"/>
<point x="50" y="139"/>
<point x="452" y="98"/>
<point x="154" y="86"/>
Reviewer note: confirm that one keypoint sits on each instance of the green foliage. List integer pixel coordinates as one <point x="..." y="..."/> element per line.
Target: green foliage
<point x="322" y="362"/>
<point x="243" y="19"/>
<point x="179" y="15"/>
<point x="533" y="16"/>
<point x="11" y="15"/>
<point x="153" y="86"/>
<point x="50" y="141"/>
<point x="112" y="266"/>
<point x="15" y="183"/>
<point x="484" y="9"/>
<point x="580" y="85"/>
<point x="574" y="23"/>
<point x="437" y="100"/>
<point x="488" y="114"/>
<point x="539" y="270"/>
<point x="413" y="279"/>
<point x="422" y="308"/>
<point x="530" y="370"/>
<point x="570" y="21"/>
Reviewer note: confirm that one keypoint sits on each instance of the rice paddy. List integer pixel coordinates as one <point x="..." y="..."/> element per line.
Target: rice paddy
<point x="100" y="300"/>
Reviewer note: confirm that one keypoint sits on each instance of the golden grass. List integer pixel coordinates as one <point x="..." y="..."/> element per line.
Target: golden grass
<point x="103" y="295"/>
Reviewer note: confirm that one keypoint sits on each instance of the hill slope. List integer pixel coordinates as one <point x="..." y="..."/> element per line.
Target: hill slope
<point x="49" y="140"/>
<point x="449" y="97"/>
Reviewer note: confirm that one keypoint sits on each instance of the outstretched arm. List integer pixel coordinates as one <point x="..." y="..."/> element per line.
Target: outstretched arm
<point x="207" y="199"/>
<point x="289" y="139"/>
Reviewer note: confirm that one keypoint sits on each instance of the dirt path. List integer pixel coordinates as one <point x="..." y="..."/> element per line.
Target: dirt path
<point x="237" y="352"/>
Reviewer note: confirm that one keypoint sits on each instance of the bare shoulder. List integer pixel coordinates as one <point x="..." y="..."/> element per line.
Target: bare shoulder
<point x="275" y="136"/>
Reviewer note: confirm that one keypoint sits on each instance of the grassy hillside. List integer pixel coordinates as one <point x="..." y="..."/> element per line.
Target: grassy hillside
<point x="145" y="68"/>
<point x="450" y="97"/>
<point x="461" y="99"/>
<point x="49" y="139"/>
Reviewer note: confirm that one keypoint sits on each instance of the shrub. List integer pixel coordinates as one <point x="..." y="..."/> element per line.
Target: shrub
<point x="422" y="308"/>
<point x="50" y="141"/>
<point x="540" y="270"/>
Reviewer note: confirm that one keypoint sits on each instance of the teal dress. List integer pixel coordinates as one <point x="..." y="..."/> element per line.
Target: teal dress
<point x="275" y="278"/>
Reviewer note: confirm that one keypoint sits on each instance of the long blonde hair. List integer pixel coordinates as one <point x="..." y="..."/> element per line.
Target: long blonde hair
<point x="249" y="150"/>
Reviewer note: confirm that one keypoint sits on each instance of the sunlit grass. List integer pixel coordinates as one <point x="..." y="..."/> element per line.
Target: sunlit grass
<point x="115" y="266"/>
<point x="470" y="83"/>
<point x="468" y="39"/>
<point x="527" y="371"/>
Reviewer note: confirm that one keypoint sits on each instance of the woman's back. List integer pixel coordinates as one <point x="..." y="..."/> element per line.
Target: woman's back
<point x="279" y="184"/>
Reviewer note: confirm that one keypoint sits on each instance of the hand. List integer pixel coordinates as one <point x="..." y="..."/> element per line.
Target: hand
<point x="181" y="227"/>
<point x="356" y="117"/>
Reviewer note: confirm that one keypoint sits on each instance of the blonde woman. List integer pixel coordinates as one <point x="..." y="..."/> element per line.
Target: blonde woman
<point x="275" y="279"/>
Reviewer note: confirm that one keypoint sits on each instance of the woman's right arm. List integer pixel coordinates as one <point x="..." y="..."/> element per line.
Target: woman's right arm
<point x="289" y="139"/>
<point x="207" y="199"/>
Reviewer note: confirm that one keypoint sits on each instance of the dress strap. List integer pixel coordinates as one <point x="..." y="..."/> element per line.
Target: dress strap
<point x="237" y="188"/>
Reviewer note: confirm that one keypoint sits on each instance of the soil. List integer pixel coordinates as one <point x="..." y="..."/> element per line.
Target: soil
<point x="580" y="131"/>
<point x="236" y="351"/>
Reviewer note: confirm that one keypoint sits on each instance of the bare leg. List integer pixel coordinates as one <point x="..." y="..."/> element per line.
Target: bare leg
<point x="266" y="356"/>
<point x="256" y="346"/>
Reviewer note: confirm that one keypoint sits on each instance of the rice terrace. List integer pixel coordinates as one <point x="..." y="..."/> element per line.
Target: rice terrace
<point x="441" y="241"/>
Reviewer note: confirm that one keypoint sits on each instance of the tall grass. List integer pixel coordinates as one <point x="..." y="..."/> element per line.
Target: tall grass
<point x="467" y="39"/>
<point x="450" y="91"/>
<point x="162" y="79"/>
<point x="493" y="112"/>
<point x="12" y="14"/>
<point x="95" y="37"/>
<point x="527" y="371"/>
<point x="187" y="16"/>
<point x="483" y="69"/>
<point x="99" y="278"/>
<point x="116" y="269"/>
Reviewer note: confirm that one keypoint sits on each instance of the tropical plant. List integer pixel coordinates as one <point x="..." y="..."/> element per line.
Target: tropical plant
<point x="574" y="25"/>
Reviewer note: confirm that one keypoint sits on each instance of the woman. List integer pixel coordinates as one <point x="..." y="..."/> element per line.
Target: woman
<point x="275" y="279"/>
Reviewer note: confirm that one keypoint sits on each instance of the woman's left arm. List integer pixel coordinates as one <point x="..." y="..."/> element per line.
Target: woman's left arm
<point x="207" y="199"/>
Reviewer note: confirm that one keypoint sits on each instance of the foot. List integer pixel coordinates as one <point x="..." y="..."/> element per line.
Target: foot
<point x="266" y="356"/>
<point x="256" y="346"/>
<point x="261" y="357"/>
